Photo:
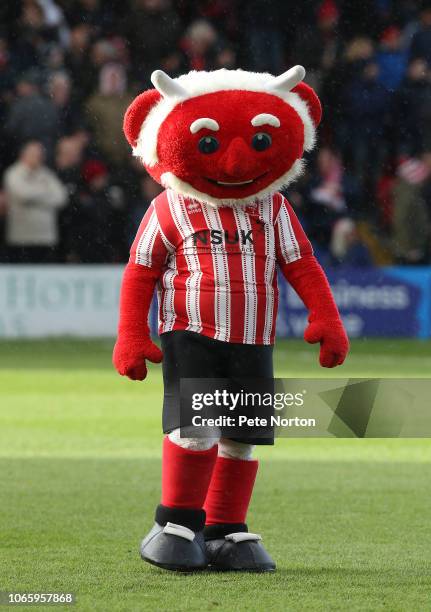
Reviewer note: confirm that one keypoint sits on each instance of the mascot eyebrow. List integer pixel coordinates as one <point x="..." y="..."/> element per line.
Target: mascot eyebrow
<point x="265" y="119"/>
<point x="204" y="122"/>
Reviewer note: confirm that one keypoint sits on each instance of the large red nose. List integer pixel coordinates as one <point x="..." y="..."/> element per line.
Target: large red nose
<point x="237" y="161"/>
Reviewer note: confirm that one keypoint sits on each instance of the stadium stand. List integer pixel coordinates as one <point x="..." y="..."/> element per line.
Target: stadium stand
<point x="69" y="68"/>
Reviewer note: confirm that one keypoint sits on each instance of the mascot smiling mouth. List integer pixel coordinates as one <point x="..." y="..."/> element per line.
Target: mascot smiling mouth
<point x="235" y="184"/>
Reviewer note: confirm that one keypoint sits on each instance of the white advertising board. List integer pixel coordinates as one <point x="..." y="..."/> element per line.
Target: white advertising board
<point x="48" y="300"/>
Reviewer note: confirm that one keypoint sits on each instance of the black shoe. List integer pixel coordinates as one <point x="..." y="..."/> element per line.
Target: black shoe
<point x="175" y="546"/>
<point x="238" y="550"/>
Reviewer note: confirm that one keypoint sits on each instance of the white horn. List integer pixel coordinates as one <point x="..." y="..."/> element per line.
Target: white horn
<point x="288" y="80"/>
<point x="167" y="86"/>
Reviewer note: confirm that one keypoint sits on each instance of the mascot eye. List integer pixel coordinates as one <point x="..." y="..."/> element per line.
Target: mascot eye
<point x="261" y="141"/>
<point x="208" y="144"/>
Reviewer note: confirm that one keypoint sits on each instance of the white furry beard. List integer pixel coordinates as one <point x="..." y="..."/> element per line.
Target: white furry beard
<point x="170" y="181"/>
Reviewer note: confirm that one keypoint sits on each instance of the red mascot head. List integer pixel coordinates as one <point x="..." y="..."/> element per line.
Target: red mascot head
<point x="224" y="137"/>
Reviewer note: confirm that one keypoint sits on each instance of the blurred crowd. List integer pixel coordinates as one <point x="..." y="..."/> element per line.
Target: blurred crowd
<point x="71" y="190"/>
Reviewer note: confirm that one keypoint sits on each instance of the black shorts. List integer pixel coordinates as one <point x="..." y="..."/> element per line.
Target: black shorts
<point x="191" y="355"/>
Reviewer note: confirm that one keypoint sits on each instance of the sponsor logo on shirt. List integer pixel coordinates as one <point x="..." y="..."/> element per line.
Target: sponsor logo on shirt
<point x="219" y="237"/>
<point x="193" y="208"/>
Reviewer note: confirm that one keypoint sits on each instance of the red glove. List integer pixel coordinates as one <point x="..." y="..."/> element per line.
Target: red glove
<point x="334" y="343"/>
<point x="325" y="325"/>
<point x="134" y="344"/>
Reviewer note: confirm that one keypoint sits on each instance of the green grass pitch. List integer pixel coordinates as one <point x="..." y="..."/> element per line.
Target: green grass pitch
<point x="348" y="521"/>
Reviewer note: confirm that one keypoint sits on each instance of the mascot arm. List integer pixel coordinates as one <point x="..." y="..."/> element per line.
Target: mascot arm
<point x="134" y="345"/>
<point x="303" y="272"/>
<point x="325" y="326"/>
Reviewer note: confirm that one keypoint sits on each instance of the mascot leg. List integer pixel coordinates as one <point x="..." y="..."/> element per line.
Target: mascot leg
<point x="176" y="541"/>
<point x="229" y="544"/>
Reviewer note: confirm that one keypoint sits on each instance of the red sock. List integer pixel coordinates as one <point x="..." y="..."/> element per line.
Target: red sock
<point x="230" y="491"/>
<point x="186" y="475"/>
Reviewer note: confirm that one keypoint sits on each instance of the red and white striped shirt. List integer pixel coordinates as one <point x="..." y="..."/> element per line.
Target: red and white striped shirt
<point x="217" y="266"/>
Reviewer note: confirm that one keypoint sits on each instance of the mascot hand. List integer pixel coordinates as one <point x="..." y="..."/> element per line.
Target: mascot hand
<point x="130" y="354"/>
<point x="334" y="343"/>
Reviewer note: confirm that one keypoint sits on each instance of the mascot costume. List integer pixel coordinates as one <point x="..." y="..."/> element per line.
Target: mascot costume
<point x="222" y="144"/>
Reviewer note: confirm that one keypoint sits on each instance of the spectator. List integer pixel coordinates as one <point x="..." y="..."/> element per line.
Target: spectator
<point x="421" y="42"/>
<point x="105" y="111"/>
<point x="77" y="62"/>
<point x="30" y="30"/>
<point x="54" y="20"/>
<point x="331" y="193"/>
<point x="34" y="196"/>
<point x="411" y="221"/>
<point x="68" y="160"/>
<point x="348" y="66"/>
<point x="203" y="48"/>
<point x="106" y="51"/>
<point x="68" y="163"/>
<point x="97" y="218"/>
<point x="366" y="103"/>
<point x="6" y="75"/>
<point x="391" y="59"/>
<point x="385" y="199"/>
<point x="59" y="88"/>
<point x="264" y="39"/>
<point x="412" y="104"/>
<point x="96" y="13"/>
<point x="346" y="247"/>
<point x="359" y="18"/>
<point x="32" y="116"/>
<point x="317" y="48"/>
<point x="153" y="30"/>
<point x="53" y="59"/>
